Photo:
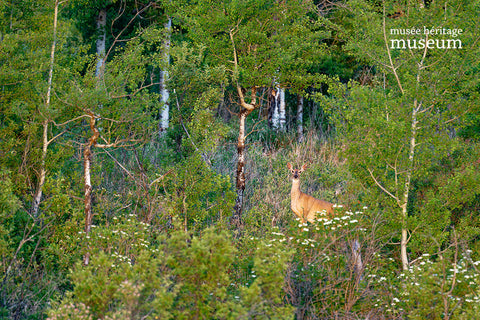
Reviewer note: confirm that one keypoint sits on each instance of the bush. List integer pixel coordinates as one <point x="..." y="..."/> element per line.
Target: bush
<point x="179" y="276"/>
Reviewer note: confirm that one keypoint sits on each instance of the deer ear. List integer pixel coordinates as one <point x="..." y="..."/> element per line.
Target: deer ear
<point x="289" y="166"/>
<point x="303" y="168"/>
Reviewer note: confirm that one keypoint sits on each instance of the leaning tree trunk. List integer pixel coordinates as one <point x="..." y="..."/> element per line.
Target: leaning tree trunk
<point x="45" y="142"/>
<point x="43" y="171"/>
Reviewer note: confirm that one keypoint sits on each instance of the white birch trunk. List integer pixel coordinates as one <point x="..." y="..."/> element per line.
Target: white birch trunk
<point x="357" y="257"/>
<point x="240" y="178"/>
<point x="164" y="94"/>
<point x="281" y="109"/>
<point x="87" y="163"/>
<point x="43" y="172"/>
<point x="300" y="118"/>
<point x="87" y="160"/>
<point x="408" y="178"/>
<point x="274" y="111"/>
<point x="277" y="109"/>
<point x="101" y="42"/>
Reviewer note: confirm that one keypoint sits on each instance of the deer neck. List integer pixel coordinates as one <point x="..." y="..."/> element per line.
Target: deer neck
<point x="295" y="193"/>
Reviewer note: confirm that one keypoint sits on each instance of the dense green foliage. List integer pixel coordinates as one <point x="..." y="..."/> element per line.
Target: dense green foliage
<point x="391" y="134"/>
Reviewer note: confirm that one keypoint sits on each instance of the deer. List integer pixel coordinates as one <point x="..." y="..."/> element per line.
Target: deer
<point x="307" y="207"/>
<point x="303" y="205"/>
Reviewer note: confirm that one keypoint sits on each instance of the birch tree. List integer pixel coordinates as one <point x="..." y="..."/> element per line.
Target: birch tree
<point x="109" y="98"/>
<point x="276" y="108"/>
<point x="398" y="128"/>
<point x="43" y="33"/>
<point x="101" y="24"/>
<point x="46" y="121"/>
<point x="35" y="55"/>
<point x="300" y="118"/>
<point x="164" y="94"/>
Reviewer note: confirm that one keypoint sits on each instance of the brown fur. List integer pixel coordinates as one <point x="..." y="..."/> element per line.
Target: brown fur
<point x="303" y="205"/>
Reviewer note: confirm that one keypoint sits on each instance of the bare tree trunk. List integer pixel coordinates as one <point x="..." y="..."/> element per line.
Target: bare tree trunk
<point x="87" y="163"/>
<point x="357" y="258"/>
<point x="282" y="119"/>
<point x="408" y="178"/>
<point x="273" y="110"/>
<point x="101" y="42"/>
<point x="277" y="112"/>
<point x="236" y="218"/>
<point x="417" y="106"/>
<point x="164" y="113"/>
<point x="92" y="141"/>
<point x="300" y="118"/>
<point x="246" y="109"/>
<point x="43" y="171"/>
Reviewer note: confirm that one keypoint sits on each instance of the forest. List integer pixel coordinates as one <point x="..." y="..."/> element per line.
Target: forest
<point x="151" y="154"/>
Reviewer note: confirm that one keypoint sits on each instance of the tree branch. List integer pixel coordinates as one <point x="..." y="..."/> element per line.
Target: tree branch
<point x="123" y="30"/>
<point x="160" y="178"/>
<point x="119" y="164"/>
<point x="382" y="187"/>
<point x="249" y="106"/>
<point x="204" y="157"/>
<point x="389" y="53"/>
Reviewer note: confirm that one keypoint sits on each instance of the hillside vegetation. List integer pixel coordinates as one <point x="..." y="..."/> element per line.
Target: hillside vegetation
<point x="144" y="150"/>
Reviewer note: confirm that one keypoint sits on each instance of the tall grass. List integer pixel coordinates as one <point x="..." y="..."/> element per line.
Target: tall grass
<point x="268" y="179"/>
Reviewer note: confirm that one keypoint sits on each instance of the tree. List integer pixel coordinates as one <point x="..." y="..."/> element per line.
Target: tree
<point x="397" y="129"/>
<point x="300" y="118"/>
<point x="254" y="41"/>
<point x="36" y="52"/>
<point x="164" y="94"/>
<point x="109" y="99"/>
<point x="276" y="108"/>
<point x="45" y="140"/>
<point x="110" y="116"/>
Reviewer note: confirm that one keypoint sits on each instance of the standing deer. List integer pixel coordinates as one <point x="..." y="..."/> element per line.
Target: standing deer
<point x="307" y="207"/>
<point x="303" y="205"/>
